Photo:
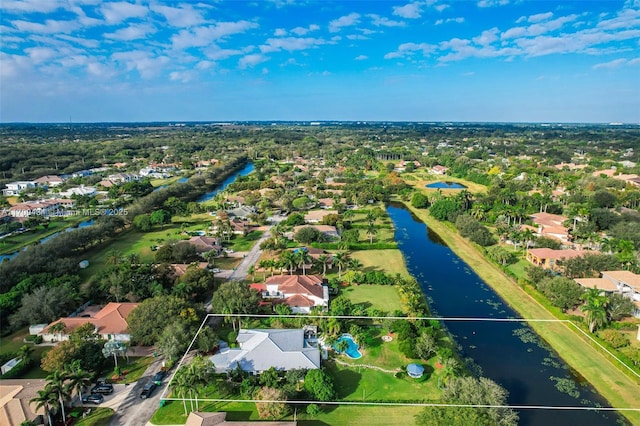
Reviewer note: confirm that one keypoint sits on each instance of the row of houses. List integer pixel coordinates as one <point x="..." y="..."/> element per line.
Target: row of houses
<point x="624" y="282"/>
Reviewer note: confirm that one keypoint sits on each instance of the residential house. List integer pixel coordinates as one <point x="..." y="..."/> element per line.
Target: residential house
<point x="181" y="268"/>
<point x="624" y="282"/>
<point x="439" y="170"/>
<point x="317" y="216"/>
<point x="123" y="177"/>
<point x="299" y="292"/>
<point x="15" y="402"/>
<point x="328" y="231"/>
<point x="49" y="181"/>
<point x="43" y="208"/>
<point x="204" y="244"/>
<point x="82" y="190"/>
<point x="200" y="418"/>
<point x="16" y="188"/>
<point x="551" y="226"/>
<point x="549" y="258"/>
<point x="259" y="350"/>
<point x="110" y="323"/>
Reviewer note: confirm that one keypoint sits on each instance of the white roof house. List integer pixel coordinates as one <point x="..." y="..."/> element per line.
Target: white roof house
<point x="260" y="350"/>
<point x="15" y="188"/>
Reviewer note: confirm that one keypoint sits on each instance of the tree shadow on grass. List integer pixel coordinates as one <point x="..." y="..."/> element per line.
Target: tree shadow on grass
<point x="347" y="383"/>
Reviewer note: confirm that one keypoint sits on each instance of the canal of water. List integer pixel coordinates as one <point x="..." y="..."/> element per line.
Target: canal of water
<point x="510" y="353"/>
<point x="248" y="168"/>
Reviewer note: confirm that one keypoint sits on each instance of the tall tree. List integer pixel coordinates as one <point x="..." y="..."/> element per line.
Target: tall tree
<point x="595" y="309"/>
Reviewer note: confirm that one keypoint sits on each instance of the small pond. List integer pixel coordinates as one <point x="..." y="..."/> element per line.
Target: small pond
<point x="352" y="350"/>
<point x="446" y="185"/>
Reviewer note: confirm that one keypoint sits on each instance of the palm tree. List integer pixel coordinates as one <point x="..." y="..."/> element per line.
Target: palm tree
<point x="56" y="384"/>
<point x="371" y="231"/>
<point x="114" y="258"/>
<point x="595" y="308"/>
<point x="303" y="258"/>
<point x="371" y="217"/>
<point x="527" y="235"/>
<point x="354" y="264"/>
<point x="289" y="261"/>
<point x="78" y="379"/>
<point x="341" y="259"/>
<point x="59" y="328"/>
<point x="264" y="264"/>
<point x="342" y="346"/>
<point x="252" y="270"/>
<point x="46" y="400"/>
<point x="24" y="352"/>
<point x="323" y="260"/>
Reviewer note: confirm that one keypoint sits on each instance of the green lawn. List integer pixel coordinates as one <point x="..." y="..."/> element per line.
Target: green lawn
<point x="367" y="415"/>
<point x="14" y="342"/>
<point x="518" y="268"/>
<point x="98" y="417"/>
<point x="245" y="243"/>
<point x="389" y="261"/>
<point x="135" y="368"/>
<point x="131" y="241"/>
<point x="383" y="297"/>
<point x="16" y="242"/>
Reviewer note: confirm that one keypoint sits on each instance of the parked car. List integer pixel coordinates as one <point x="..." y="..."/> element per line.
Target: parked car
<point x="93" y="399"/>
<point x="215" y="270"/>
<point x="157" y="378"/>
<point x="147" y="390"/>
<point x="103" y="389"/>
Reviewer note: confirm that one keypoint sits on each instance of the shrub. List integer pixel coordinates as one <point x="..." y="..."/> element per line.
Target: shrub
<point x="615" y="338"/>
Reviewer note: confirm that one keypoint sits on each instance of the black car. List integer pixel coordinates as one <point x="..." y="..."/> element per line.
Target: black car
<point x="157" y="379"/>
<point x="103" y="389"/>
<point x="93" y="398"/>
<point x="147" y="390"/>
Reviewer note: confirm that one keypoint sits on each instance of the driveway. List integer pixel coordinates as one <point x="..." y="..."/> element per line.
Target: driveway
<point x="129" y="409"/>
<point x="252" y="256"/>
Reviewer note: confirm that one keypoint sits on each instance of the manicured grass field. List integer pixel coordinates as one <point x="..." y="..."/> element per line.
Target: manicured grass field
<point x="367" y="415"/>
<point x="131" y="241"/>
<point x="16" y="242"/>
<point x="245" y="243"/>
<point x="98" y="417"/>
<point x="135" y="368"/>
<point x="383" y="297"/>
<point x="618" y="388"/>
<point x="389" y="261"/>
<point x="14" y="342"/>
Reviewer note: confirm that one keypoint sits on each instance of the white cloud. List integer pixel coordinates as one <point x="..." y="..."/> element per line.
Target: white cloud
<point x="181" y="76"/>
<point x="280" y="32"/>
<point x="441" y="7"/>
<point x="492" y="3"/>
<point x="132" y="32"/>
<point x="300" y="31"/>
<point x="408" y="49"/>
<point x="616" y="63"/>
<point x="540" y="17"/>
<point x="380" y="21"/>
<point x="357" y="37"/>
<point x="117" y="12"/>
<point x="216" y="53"/>
<point x="409" y="11"/>
<point x="458" y="20"/>
<point x="31" y="6"/>
<point x="40" y="54"/>
<point x="487" y="37"/>
<point x="250" y="61"/>
<point x="361" y="57"/>
<point x="634" y="61"/>
<point x="182" y="17"/>
<point x="538" y="28"/>
<point x="49" y="27"/>
<point x="85" y="42"/>
<point x="204" y="65"/>
<point x="291" y="44"/>
<point x="203" y="36"/>
<point x="344" y="21"/>
<point x="146" y="64"/>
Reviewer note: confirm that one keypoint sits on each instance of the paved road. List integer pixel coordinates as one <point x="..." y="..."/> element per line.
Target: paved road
<point x="129" y="409"/>
<point x="242" y="270"/>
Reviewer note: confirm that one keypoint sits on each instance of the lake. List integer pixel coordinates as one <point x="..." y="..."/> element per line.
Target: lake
<point x="510" y="353"/>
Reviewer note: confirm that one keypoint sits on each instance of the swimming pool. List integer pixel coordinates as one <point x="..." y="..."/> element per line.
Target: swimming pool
<point x="352" y="350"/>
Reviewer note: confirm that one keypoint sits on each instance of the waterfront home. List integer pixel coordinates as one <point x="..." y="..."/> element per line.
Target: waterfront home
<point x="300" y="292"/>
<point x="549" y="258"/>
<point x="259" y="350"/>
<point x="316" y="216"/>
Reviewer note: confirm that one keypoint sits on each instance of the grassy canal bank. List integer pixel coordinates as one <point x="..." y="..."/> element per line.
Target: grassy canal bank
<point x="618" y="388"/>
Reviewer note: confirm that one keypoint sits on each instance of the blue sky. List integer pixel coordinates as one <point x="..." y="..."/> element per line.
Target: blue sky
<point x="431" y="60"/>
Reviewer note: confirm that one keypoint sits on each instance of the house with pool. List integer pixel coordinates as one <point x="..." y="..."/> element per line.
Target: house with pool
<point x="300" y="292"/>
<point x="260" y="349"/>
